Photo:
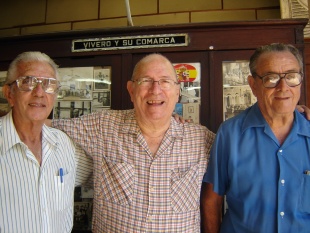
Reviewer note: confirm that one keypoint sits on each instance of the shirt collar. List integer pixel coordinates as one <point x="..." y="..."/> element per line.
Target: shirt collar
<point x="254" y="118"/>
<point x="12" y="138"/>
<point x="8" y="128"/>
<point x="130" y="126"/>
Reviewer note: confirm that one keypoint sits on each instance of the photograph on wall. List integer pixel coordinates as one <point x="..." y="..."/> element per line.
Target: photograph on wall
<point x="235" y="73"/>
<point x="106" y="98"/>
<point x="191" y="112"/>
<point x="76" y="83"/>
<point x="237" y="94"/>
<point x="102" y="99"/>
<point x="4" y="105"/>
<point x="82" y="215"/>
<point x="102" y="78"/>
<point x="71" y="109"/>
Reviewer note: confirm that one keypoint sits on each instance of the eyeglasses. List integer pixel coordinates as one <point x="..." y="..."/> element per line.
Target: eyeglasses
<point x="292" y="79"/>
<point x="148" y="83"/>
<point x="29" y="83"/>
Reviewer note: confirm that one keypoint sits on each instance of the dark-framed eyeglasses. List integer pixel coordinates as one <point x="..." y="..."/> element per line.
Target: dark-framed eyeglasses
<point x="164" y="83"/>
<point x="271" y="80"/>
<point x="29" y="83"/>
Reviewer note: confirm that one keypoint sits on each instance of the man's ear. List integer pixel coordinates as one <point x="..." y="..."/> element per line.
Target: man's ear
<point x="252" y="83"/>
<point x="7" y="92"/>
<point x="130" y="89"/>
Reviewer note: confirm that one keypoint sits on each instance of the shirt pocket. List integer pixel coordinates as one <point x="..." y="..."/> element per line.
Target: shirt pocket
<point x="64" y="191"/>
<point x="185" y="189"/>
<point x="304" y="197"/>
<point x="117" y="182"/>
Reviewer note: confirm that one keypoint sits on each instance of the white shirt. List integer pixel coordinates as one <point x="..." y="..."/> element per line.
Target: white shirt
<point x="32" y="197"/>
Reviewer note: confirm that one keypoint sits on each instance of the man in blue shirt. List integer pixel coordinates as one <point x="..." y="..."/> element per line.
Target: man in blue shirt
<point x="261" y="158"/>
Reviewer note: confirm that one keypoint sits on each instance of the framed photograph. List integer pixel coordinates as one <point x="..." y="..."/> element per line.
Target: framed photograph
<point x="71" y="109"/>
<point x="4" y="105"/>
<point x="237" y="94"/>
<point x="96" y="98"/>
<point x="102" y="78"/>
<point x="76" y="83"/>
<point x="82" y="215"/>
<point x="101" y="99"/>
<point x="191" y="112"/>
<point x="83" y="90"/>
<point x="106" y="98"/>
<point x="235" y="73"/>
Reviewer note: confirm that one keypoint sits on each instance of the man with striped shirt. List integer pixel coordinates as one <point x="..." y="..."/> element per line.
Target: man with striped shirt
<point x="39" y="166"/>
<point x="148" y="168"/>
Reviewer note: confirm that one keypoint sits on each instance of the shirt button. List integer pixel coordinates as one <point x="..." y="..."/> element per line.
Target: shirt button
<point x="280" y="151"/>
<point x="151" y="188"/>
<point x="282" y="182"/>
<point x="149" y="219"/>
<point x="282" y="214"/>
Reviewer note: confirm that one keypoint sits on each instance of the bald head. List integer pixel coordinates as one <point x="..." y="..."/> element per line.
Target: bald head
<point x="154" y="57"/>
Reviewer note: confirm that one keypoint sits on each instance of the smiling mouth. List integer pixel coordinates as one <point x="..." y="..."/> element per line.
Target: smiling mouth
<point x="37" y="105"/>
<point x="155" y="102"/>
<point x="282" y="98"/>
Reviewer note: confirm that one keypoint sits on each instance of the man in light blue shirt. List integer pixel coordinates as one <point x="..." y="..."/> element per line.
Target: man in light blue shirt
<point x="260" y="159"/>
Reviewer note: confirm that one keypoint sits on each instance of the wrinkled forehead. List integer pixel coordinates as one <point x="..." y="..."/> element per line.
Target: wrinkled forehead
<point x="278" y="62"/>
<point x="156" y="67"/>
<point x="36" y="68"/>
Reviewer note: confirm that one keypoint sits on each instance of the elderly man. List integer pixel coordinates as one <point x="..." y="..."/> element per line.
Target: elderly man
<point x="260" y="158"/>
<point x="38" y="164"/>
<point x="148" y="168"/>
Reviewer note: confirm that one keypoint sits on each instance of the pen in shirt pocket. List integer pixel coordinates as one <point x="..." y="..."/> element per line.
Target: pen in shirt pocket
<point x="307" y="172"/>
<point x="61" y="175"/>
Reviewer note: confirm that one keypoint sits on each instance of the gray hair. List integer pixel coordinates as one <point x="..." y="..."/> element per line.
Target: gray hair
<point x="275" y="47"/>
<point x="13" y="71"/>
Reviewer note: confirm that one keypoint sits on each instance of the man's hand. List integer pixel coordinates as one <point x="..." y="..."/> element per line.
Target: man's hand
<point x="178" y="118"/>
<point x="304" y="109"/>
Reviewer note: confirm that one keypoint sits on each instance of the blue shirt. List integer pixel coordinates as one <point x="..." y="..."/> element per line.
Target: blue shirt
<point x="264" y="182"/>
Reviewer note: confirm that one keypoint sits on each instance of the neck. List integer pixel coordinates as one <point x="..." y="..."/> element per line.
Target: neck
<point x="281" y="126"/>
<point x="31" y="135"/>
<point x="153" y="135"/>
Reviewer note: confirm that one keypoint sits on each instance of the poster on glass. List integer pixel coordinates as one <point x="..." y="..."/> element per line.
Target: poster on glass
<point x="75" y="83"/>
<point x="188" y="105"/>
<point x="4" y="105"/>
<point x="237" y="94"/>
<point x="102" y="78"/>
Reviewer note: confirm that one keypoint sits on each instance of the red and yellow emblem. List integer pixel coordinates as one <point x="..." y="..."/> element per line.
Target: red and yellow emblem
<point x="186" y="72"/>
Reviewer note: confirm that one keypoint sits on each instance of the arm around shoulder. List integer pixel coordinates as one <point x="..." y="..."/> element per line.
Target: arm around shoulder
<point x="211" y="209"/>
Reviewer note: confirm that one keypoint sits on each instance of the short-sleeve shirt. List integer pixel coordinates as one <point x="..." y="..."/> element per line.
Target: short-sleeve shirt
<point x="32" y="197"/>
<point x="264" y="182"/>
<point x="134" y="190"/>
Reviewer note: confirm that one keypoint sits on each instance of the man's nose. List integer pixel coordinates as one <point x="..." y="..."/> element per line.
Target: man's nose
<point x="282" y="84"/>
<point x="156" y="87"/>
<point x="38" y="88"/>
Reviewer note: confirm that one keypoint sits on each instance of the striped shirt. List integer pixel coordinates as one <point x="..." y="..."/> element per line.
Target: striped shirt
<point x="136" y="191"/>
<point x="32" y="197"/>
